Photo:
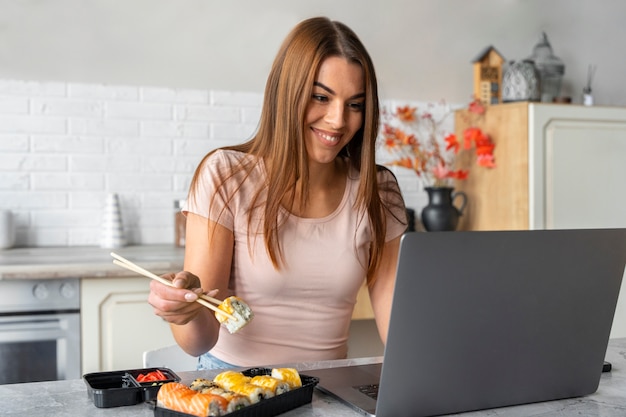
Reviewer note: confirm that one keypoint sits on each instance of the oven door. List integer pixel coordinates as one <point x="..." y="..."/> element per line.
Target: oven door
<point x="39" y="347"/>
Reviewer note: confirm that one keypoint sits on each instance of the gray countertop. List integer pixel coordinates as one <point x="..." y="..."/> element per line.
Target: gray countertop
<point x="69" y="398"/>
<point x="86" y="262"/>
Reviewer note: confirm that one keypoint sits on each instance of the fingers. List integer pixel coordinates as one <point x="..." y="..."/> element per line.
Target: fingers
<point x="184" y="279"/>
<point x="176" y="304"/>
<point x="171" y="305"/>
<point x="213" y="293"/>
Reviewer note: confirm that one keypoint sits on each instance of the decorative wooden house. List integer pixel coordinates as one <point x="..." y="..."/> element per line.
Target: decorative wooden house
<point x="488" y="76"/>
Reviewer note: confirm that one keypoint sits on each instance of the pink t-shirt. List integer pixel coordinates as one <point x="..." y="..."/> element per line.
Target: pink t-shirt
<point x="302" y="312"/>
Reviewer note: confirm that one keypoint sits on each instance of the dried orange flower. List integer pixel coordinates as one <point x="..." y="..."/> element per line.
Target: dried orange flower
<point x="417" y="141"/>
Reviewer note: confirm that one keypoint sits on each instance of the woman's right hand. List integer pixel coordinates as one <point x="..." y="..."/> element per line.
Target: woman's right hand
<point x="177" y="304"/>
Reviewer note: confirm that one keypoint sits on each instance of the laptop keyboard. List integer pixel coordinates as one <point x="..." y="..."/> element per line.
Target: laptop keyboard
<point x="371" y="390"/>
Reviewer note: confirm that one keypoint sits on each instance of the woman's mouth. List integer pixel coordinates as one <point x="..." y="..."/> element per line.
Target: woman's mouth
<point x="329" y="138"/>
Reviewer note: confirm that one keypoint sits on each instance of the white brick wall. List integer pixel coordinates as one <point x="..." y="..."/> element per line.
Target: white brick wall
<point x="64" y="146"/>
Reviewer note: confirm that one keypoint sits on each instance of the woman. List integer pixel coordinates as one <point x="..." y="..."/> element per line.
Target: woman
<point x="294" y="220"/>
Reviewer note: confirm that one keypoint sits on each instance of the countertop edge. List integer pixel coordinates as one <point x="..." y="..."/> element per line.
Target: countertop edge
<point x="86" y="262"/>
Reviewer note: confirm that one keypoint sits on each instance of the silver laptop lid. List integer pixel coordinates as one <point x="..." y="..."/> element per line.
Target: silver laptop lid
<point x="490" y="319"/>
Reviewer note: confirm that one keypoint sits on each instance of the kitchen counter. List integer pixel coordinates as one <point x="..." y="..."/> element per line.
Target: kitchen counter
<point x="69" y="398"/>
<point x="86" y="262"/>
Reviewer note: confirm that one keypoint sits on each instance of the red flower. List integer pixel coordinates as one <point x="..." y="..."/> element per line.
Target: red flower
<point x="452" y="143"/>
<point x="486" y="161"/>
<point x="406" y="113"/>
<point x="459" y="174"/>
<point x="476" y="107"/>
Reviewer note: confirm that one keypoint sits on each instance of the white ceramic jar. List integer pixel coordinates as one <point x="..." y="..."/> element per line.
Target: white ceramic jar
<point x="521" y="82"/>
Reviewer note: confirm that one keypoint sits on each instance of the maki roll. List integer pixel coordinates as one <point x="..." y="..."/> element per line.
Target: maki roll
<point x="228" y="379"/>
<point x="172" y="395"/>
<point x="178" y="397"/>
<point x="203" y="405"/>
<point x="254" y="393"/>
<point x="236" y="307"/>
<point x="289" y="375"/>
<point x="273" y="384"/>
<point x="235" y="401"/>
<point x="200" y="384"/>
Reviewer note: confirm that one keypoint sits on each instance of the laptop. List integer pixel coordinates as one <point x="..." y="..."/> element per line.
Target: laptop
<point x="482" y="320"/>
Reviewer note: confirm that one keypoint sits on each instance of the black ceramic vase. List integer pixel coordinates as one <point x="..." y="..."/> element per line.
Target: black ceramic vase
<point x="441" y="214"/>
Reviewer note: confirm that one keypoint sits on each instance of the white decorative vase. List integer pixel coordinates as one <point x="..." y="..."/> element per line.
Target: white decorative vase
<point x="112" y="227"/>
<point x="521" y="82"/>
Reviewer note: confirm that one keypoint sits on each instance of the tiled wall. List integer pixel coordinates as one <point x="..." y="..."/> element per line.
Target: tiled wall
<point x="64" y="146"/>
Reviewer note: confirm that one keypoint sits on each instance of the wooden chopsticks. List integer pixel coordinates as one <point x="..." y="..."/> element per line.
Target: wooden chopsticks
<point x="203" y="299"/>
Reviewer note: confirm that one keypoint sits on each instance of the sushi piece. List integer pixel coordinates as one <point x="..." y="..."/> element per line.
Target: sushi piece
<point x="200" y="384"/>
<point x="203" y="405"/>
<point x="273" y="384"/>
<point x="236" y="307"/>
<point x="171" y="395"/>
<point x="235" y="401"/>
<point x="178" y="397"/>
<point x="289" y="375"/>
<point x="228" y="379"/>
<point x="254" y="393"/>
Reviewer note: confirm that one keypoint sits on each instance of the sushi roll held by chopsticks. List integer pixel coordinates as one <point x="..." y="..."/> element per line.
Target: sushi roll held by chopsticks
<point x="233" y="312"/>
<point x="236" y="308"/>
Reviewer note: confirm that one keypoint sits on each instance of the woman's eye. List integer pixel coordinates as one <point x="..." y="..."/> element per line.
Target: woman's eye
<point x="357" y="106"/>
<point x="320" y="97"/>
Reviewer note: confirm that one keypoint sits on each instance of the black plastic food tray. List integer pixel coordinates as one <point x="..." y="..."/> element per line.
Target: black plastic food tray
<point x="264" y="408"/>
<point x="120" y="388"/>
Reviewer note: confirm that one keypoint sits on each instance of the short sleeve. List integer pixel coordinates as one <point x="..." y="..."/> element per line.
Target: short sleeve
<point x="211" y="196"/>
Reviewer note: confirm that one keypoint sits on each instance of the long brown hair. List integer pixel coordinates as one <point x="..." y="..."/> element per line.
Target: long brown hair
<point x="279" y="140"/>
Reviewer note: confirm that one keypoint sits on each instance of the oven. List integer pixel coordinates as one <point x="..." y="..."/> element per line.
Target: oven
<point x="39" y="330"/>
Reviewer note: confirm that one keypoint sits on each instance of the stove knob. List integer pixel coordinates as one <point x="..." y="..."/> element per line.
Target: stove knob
<point x="67" y="290"/>
<point x="40" y="291"/>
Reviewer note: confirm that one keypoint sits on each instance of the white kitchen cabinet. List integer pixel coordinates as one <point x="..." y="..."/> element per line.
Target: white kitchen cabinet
<point x="558" y="167"/>
<point x="118" y="324"/>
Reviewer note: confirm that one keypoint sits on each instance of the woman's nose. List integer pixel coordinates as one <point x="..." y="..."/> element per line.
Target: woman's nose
<point x="335" y="115"/>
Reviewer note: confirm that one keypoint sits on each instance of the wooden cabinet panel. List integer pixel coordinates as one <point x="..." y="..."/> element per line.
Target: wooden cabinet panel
<point x="498" y="198"/>
<point x="363" y="307"/>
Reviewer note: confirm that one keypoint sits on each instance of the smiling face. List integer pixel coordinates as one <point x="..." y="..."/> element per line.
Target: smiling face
<point x="335" y="111"/>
